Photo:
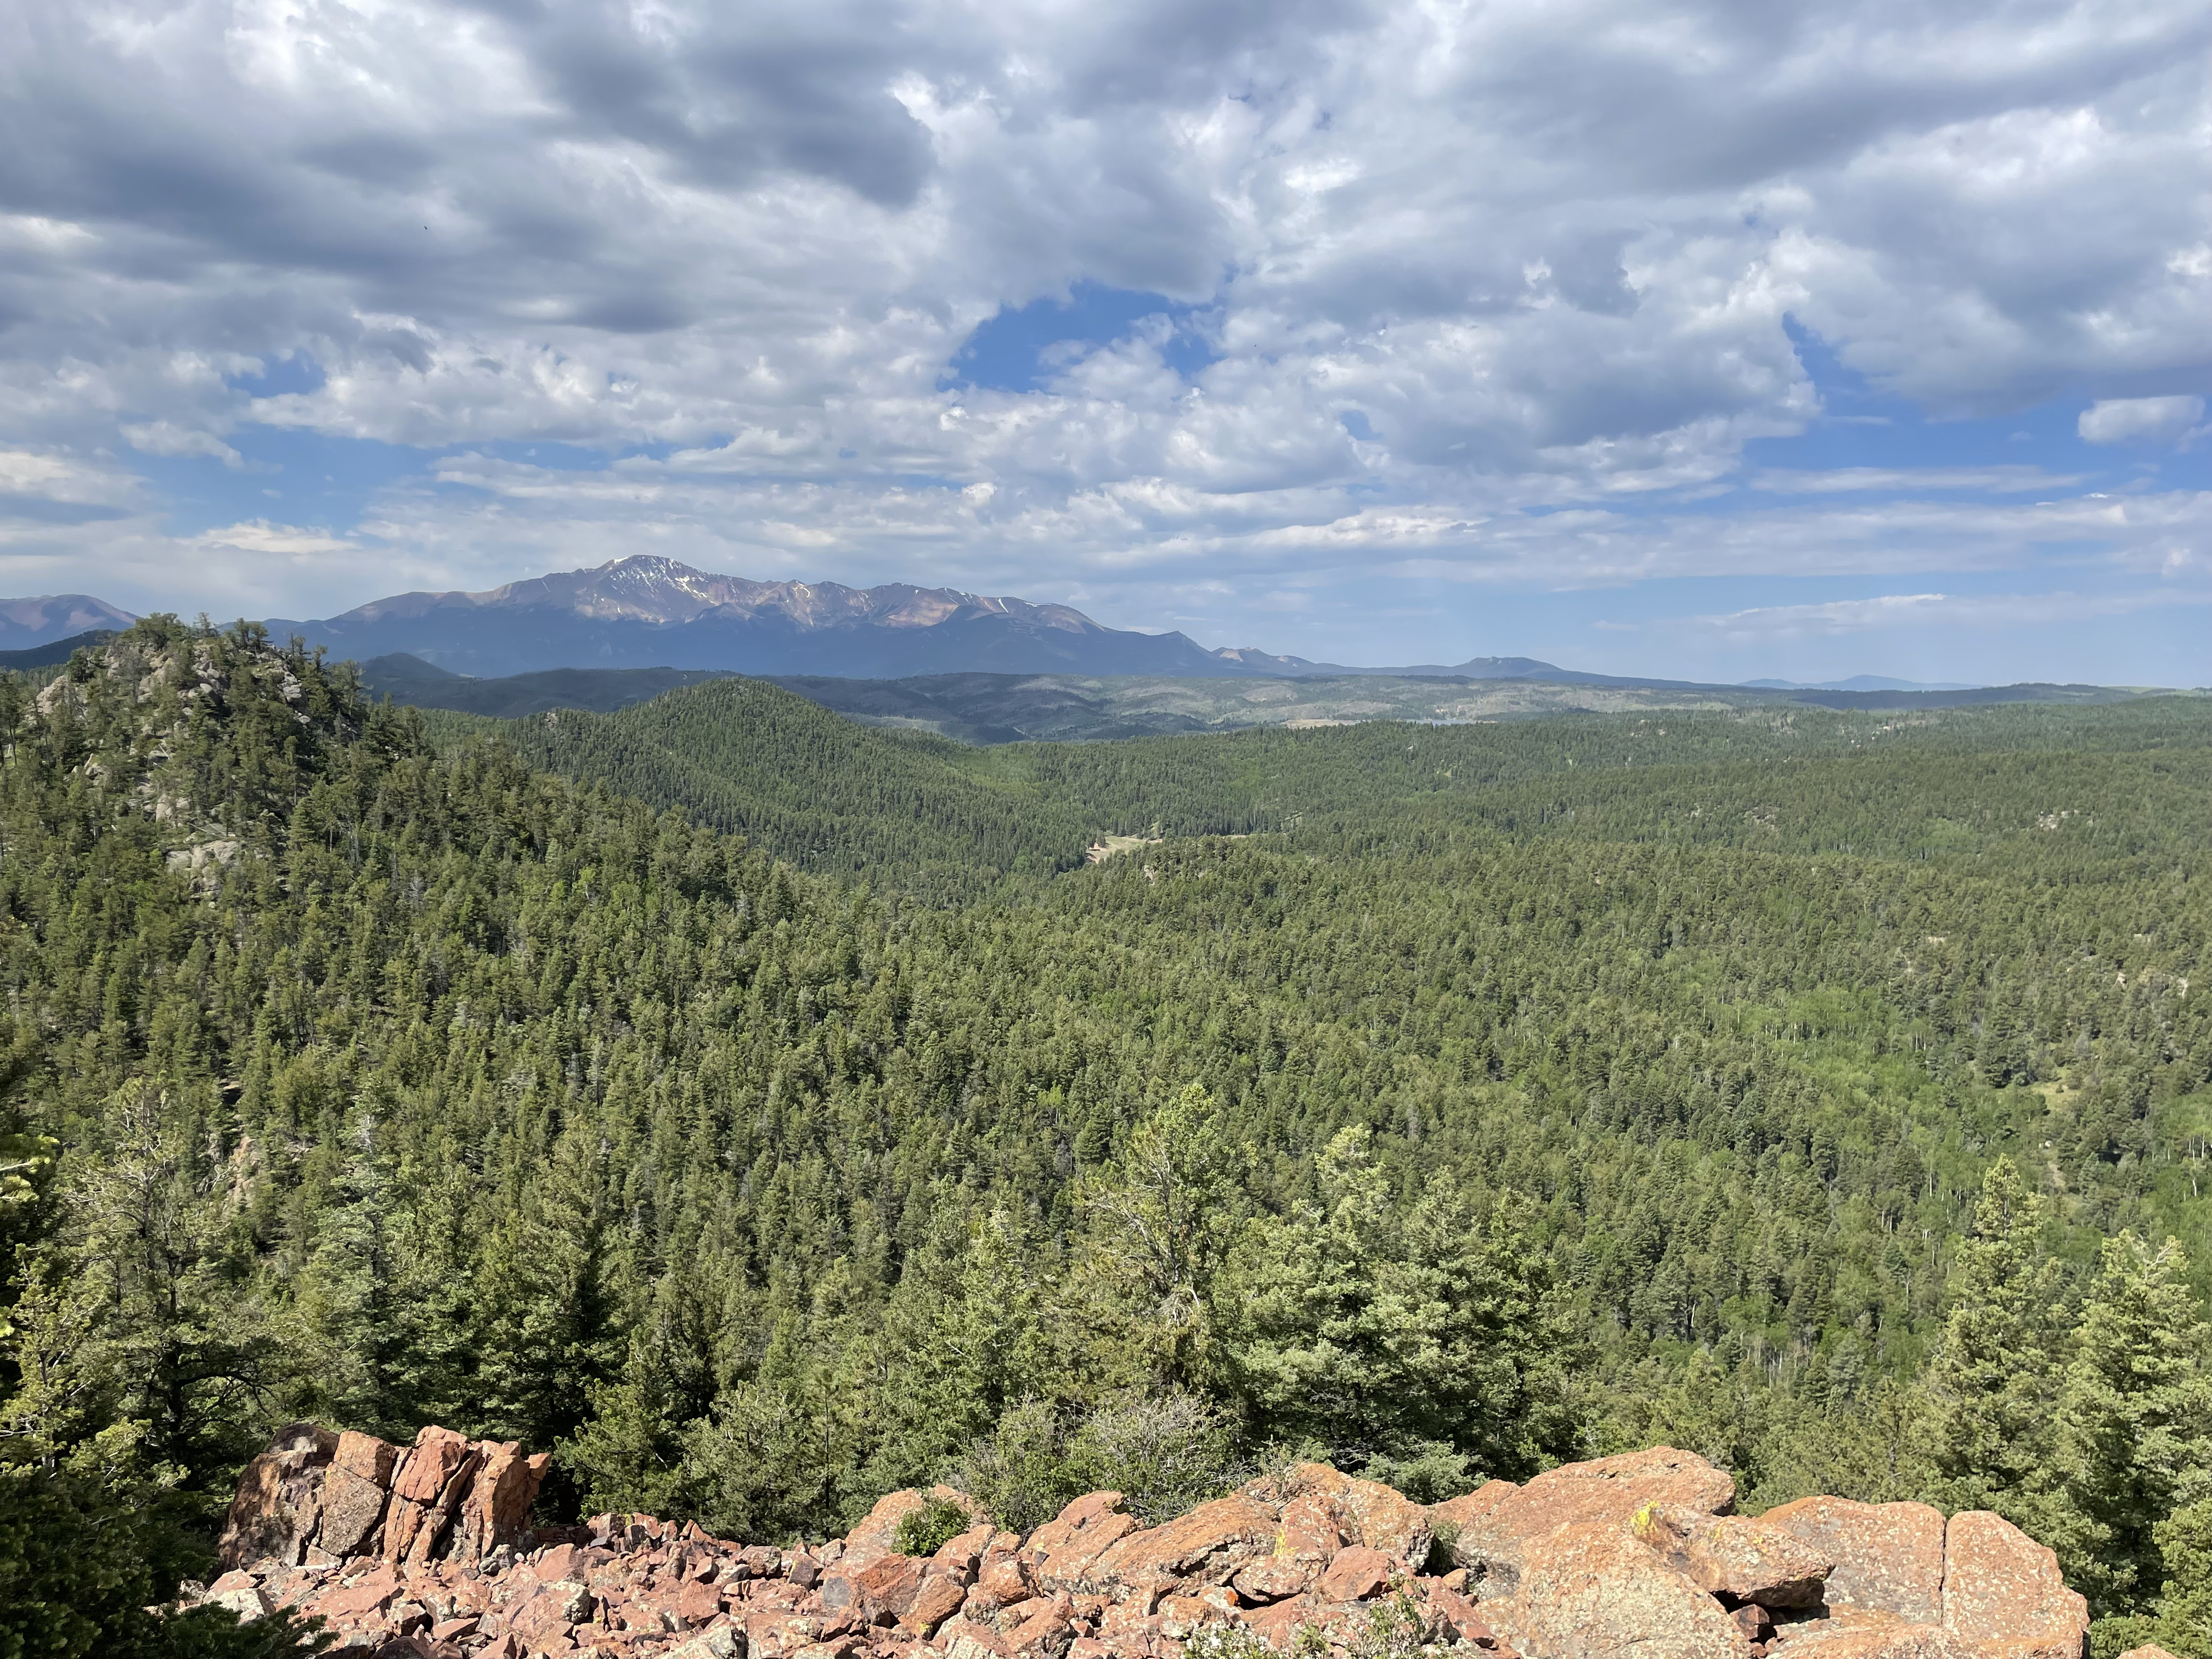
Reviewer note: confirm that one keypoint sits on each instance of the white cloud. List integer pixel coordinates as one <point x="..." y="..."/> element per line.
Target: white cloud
<point x="167" y="438"/>
<point x="2151" y="420"/>
<point x="1544" y="254"/>
<point x="1837" y="617"/>
<point x="284" y="540"/>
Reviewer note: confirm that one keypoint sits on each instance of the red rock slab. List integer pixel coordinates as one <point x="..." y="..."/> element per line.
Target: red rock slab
<point x="353" y="1509"/>
<point x="1459" y="1616"/>
<point x="1472" y="1509"/>
<point x="494" y="1509"/>
<point x="1590" y="1590"/>
<point x="963" y="1638"/>
<point x="1888" y="1557"/>
<point x="1728" y="1555"/>
<point x="1063" y="1551"/>
<point x="769" y="1634"/>
<point x="561" y="1561"/>
<point x="1309" y="1531"/>
<point x="2001" y="1585"/>
<point x="1356" y="1574"/>
<point x="278" y="1502"/>
<point x="1887" y="1640"/>
<point x="941" y="1596"/>
<point x="2147" y="1650"/>
<point x="1210" y="1543"/>
<point x="1608" y="1489"/>
<point x="1368" y="1512"/>
<point x="1278" y="1624"/>
<point x="697" y="1604"/>
<point x="964" y="1553"/>
<point x="366" y="1458"/>
<point x="1274" y="1578"/>
<point x="369" y="1594"/>
<point x="429" y="1465"/>
<point x="884" y="1590"/>
<point x="1003" y="1582"/>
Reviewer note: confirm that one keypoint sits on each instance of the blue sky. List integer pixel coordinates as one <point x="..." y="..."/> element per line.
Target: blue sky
<point x="1751" y="345"/>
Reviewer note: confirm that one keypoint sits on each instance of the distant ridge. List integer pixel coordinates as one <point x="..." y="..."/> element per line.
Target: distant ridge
<point x="1862" y="683"/>
<point x="27" y="625"/>
<point x="56" y="652"/>
<point x="647" y="611"/>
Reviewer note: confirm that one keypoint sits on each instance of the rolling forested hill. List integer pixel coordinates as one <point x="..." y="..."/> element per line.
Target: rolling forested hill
<point x="1769" y="1084"/>
<point x="2053" y="785"/>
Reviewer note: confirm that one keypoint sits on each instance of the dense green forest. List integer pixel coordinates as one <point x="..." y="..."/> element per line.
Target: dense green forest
<point x="2053" y="785"/>
<point x="1820" y="1091"/>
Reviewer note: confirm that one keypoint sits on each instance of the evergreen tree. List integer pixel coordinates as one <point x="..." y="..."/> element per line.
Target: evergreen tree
<point x="1992" y="1381"/>
<point x="2134" y="1417"/>
<point x="1425" y="1339"/>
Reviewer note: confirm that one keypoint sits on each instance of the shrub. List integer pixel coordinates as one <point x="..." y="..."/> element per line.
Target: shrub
<point x="931" y="1527"/>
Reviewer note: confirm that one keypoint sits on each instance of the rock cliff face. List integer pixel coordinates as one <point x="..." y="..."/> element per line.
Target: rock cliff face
<point x="427" y="1552"/>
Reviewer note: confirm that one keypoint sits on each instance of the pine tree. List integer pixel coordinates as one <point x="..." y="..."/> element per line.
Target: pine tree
<point x="1426" y="1340"/>
<point x="1991" y="1382"/>
<point x="2134" y="1415"/>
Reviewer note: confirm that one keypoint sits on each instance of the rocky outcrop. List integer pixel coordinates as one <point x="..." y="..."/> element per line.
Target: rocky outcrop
<point x="319" y="1499"/>
<point x="427" y="1552"/>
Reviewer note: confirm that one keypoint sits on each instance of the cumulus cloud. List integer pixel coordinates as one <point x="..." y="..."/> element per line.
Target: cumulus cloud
<point x="1449" y="266"/>
<point x="2148" y="420"/>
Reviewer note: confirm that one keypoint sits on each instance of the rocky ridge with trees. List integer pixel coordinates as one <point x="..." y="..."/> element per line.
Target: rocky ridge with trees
<point x="429" y="1551"/>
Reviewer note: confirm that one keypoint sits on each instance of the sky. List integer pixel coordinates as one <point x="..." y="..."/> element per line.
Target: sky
<point x="1716" y="338"/>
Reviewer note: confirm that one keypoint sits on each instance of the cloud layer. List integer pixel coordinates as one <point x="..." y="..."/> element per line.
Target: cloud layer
<point x="1494" y="292"/>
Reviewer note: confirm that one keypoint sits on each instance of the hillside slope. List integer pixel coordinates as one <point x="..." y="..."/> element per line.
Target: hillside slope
<point x="449" y="1091"/>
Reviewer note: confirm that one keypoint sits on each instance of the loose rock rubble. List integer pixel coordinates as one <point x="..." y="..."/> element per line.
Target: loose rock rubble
<point x="428" y="1552"/>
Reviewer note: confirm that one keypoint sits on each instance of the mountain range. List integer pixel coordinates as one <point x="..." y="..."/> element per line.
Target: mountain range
<point x="647" y="612"/>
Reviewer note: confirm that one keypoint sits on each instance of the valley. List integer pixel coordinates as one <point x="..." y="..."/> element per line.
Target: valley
<point x="763" y="1112"/>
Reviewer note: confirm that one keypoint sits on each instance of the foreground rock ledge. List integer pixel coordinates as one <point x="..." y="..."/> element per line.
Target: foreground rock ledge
<point x="427" y="1552"/>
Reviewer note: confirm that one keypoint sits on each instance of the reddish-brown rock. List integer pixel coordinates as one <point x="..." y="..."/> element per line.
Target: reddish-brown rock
<point x="1472" y="1509"/>
<point x="2149" y="1650"/>
<point x="883" y="1591"/>
<point x="1356" y="1574"/>
<point x="366" y="1458"/>
<point x="2000" y="1585"/>
<point x="1271" y="1578"/>
<point x="1278" y="1624"/>
<point x="939" y="1597"/>
<point x="1369" y="1513"/>
<point x="1293" y="1563"/>
<point x="1209" y="1544"/>
<point x="1590" y="1590"/>
<point x="1748" y="1560"/>
<point x="1309" y="1530"/>
<point x="1882" y="1638"/>
<point x="1887" y="1557"/>
<point x="1461" y="1620"/>
<point x="495" y="1507"/>
<point x="353" y="1509"/>
<point x="1063" y="1553"/>
<point x="426" y="1489"/>
<point x="279" y="1499"/>
<point x="1606" y="1489"/>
